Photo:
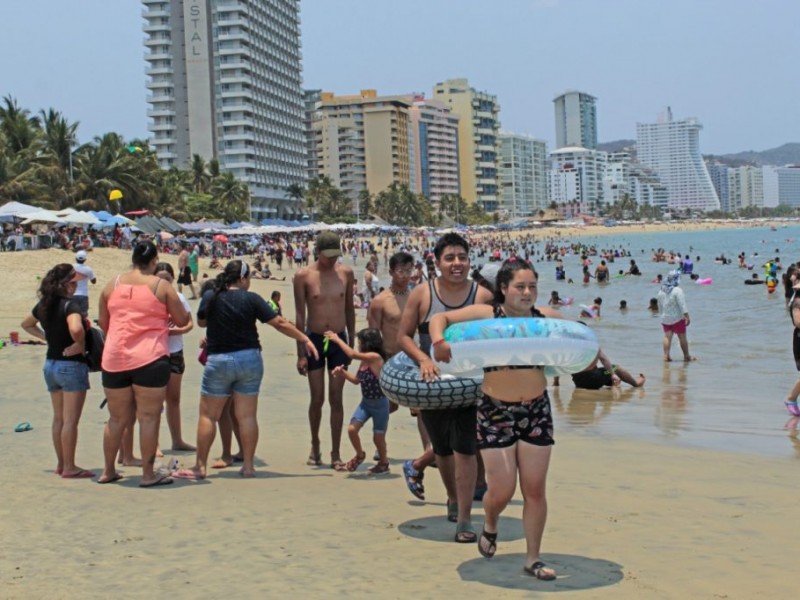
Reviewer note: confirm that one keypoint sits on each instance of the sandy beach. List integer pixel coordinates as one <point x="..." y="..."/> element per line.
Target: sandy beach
<point x="627" y="519"/>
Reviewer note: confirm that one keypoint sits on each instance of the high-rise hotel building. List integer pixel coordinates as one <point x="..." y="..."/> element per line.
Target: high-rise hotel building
<point x="478" y="144"/>
<point x="576" y="120"/>
<point x="225" y="83"/>
<point x="364" y="141"/>
<point x="368" y="142"/>
<point x="672" y="150"/>
<point x="523" y="174"/>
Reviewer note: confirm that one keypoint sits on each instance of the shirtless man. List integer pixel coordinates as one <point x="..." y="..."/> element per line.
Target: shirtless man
<point x="324" y="301"/>
<point x="185" y="272"/>
<point x="601" y="272"/>
<point x="452" y="431"/>
<point x="387" y="307"/>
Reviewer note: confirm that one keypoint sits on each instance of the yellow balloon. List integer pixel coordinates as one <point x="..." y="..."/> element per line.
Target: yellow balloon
<point x="115" y="195"/>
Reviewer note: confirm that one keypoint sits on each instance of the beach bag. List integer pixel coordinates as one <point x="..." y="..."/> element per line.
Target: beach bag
<point x="95" y="342"/>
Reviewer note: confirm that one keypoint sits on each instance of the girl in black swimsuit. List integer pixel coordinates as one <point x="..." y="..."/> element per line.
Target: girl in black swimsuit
<point x="515" y="427"/>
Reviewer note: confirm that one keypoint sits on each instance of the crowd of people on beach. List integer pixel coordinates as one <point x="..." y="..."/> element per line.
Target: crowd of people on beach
<point x="480" y="450"/>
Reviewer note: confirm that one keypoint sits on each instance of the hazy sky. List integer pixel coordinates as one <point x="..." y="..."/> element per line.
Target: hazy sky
<point x="733" y="64"/>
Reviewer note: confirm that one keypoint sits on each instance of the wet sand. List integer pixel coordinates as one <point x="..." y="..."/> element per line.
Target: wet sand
<point x="628" y="518"/>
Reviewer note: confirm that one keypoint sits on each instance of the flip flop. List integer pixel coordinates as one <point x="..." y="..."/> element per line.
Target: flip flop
<point x="115" y="477"/>
<point x="414" y="480"/>
<point x="165" y="480"/>
<point x="792" y="408"/>
<point x="537" y="570"/>
<point x="82" y="474"/>
<point x="491" y="547"/>
<point x="187" y="474"/>
<point x="24" y="426"/>
<point x="465" y="534"/>
<point x="314" y="460"/>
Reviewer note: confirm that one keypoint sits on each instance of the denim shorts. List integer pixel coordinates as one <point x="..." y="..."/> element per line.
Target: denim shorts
<point x="230" y="372"/>
<point x="378" y="410"/>
<point x="66" y="375"/>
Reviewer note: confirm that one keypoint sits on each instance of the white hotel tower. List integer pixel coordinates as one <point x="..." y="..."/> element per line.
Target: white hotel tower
<point x="225" y="83"/>
<point x="672" y="150"/>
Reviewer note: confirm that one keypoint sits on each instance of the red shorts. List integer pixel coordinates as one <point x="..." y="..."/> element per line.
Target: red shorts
<point x="679" y="327"/>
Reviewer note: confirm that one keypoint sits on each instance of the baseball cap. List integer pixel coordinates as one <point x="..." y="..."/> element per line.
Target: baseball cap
<point x="329" y="244"/>
<point x="80" y="256"/>
<point x="489" y="272"/>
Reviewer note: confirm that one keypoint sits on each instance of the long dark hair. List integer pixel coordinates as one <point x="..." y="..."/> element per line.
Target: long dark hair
<point x="506" y="274"/>
<point x="233" y="272"/>
<point x="371" y="341"/>
<point x="52" y="288"/>
<point x="143" y="253"/>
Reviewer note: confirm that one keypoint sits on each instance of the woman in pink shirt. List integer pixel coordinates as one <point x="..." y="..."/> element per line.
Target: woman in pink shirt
<point x="135" y="310"/>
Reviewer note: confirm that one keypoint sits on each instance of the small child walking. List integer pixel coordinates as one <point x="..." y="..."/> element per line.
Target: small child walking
<point x="374" y="404"/>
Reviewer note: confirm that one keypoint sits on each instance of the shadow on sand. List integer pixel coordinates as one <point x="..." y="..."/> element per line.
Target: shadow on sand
<point x="439" y="529"/>
<point x="574" y="572"/>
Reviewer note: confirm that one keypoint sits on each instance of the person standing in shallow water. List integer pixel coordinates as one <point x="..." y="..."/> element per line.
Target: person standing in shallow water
<point x="674" y="315"/>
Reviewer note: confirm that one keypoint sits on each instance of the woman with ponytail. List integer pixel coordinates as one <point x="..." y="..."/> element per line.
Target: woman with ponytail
<point x="135" y="311"/>
<point x="65" y="370"/>
<point x="234" y="368"/>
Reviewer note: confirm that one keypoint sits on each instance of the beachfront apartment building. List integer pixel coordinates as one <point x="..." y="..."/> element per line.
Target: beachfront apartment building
<point x="435" y="131"/>
<point x="623" y="176"/>
<point x="719" y="178"/>
<point x="576" y="179"/>
<point x="576" y="120"/>
<point x="781" y="186"/>
<point x="523" y="173"/>
<point x="310" y="102"/>
<point x="672" y="149"/>
<point x="225" y="83"/>
<point x="478" y="129"/>
<point x="745" y="187"/>
<point x="364" y="141"/>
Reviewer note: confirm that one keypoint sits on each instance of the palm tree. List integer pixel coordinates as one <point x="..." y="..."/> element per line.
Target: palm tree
<point x="318" y="194"/>
<point x="364" y="203"/>
<point x="106" y="164"/>
<point x="232" y="197"/>
<point x="201" y="179"/>
<point x="18" y="127"/>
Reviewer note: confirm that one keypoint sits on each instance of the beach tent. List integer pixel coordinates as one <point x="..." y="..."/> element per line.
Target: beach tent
<point x="41" y="216"/>
<point x="75" y="217"/>
<point x="17" y="209"/>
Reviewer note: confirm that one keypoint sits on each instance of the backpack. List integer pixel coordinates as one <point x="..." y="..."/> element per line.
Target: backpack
<point x="95" y="343"/>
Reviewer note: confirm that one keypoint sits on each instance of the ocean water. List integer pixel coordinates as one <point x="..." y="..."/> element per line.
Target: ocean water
<point x="731" y="398"/>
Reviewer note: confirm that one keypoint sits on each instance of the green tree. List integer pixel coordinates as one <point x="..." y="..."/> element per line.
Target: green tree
<point x="232" y="198"/>
<point x="201" y="178"/>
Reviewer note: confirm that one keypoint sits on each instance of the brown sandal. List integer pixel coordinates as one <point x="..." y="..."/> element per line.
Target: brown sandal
<point x="354" y="462"/>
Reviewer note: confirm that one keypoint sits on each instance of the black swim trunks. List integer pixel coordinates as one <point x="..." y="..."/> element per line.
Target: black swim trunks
<point x="502" y="424"/>
<point x="328" y="351"/>
<point x="185" y="278"/>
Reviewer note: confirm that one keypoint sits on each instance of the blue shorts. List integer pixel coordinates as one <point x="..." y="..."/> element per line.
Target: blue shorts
<point x="66" y="375"/>
<point x="378" y="410"/>
<point x="230" y="372"/>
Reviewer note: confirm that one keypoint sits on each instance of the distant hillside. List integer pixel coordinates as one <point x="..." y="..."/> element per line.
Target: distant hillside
<point x="788" y="154"/>
<point x="616" y="145"/>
